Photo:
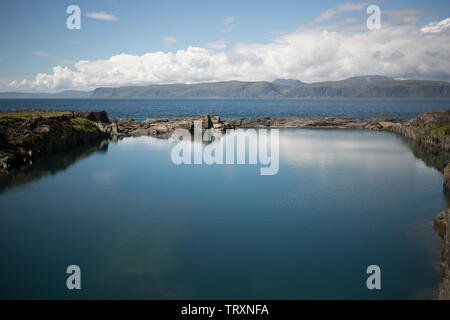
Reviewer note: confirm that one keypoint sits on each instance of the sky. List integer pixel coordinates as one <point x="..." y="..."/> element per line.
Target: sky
<point x="138" y="42"/>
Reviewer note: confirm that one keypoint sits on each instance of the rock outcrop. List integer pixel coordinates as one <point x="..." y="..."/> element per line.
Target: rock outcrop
<point x="447" y="179"/>
<point x="163" y="127"/>
<point x="32" y="133"/>
<point x="441" y="225"/>
<point x="430" y="128"/>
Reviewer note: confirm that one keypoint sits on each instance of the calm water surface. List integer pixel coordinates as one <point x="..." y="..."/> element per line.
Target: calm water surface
<point x="142" y="227"/>
<point x="141" y="109"/>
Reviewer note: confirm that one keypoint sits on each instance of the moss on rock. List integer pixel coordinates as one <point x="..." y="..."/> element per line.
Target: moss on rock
<point x="27" y="134"/>
<point x="84" y="125"/>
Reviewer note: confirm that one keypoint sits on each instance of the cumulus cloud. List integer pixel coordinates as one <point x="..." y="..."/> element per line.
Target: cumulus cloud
<point x="402" y="16"/>
<point x="309" y="53"/>
<point x="435" y="27"/>
<point x="341" y="8"/>
<point x="168" y="41"/>
<point x="39" y="53"/>
<point x="101" y="16"/>
<point x="228" y="24"/>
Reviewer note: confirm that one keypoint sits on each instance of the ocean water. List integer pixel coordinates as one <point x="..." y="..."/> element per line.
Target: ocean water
<point x="142" y="227"/>
<point x="141" y="109"/>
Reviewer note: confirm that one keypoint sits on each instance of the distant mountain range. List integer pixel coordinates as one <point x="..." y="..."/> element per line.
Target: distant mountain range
<point x="291" y="82"/>
<point x="68" y="94"/>
<point x="355" y="87"/>
<point x="368" y="80"/>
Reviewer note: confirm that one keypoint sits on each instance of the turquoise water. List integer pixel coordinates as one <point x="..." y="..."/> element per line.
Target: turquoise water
<point x="141" y="227"/>
<point x="141" y="109"/>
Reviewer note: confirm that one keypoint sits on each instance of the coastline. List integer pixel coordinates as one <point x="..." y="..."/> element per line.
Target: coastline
<point x="28" y="134"/>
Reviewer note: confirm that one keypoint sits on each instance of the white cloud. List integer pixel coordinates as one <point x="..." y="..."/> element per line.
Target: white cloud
<point x="435" y="27"/>
<point x="39" y="53"/>
<point x="168" y="41"/>
<point x="219" y="44"/>
<point x="341" y="8"/>
<point x="101" y="16"/>
<point x="228" y="20"/>
<point x="228" y="24"/>
<point x="401" y="16"/>
<point x="309" y="53"/>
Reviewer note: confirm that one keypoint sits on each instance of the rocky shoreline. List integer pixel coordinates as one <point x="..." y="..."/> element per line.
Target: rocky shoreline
<point x="163" y="127"/>
<point x="441" y="225"/>
<point x="29" y="134"/>
<point x="34" y="133"/>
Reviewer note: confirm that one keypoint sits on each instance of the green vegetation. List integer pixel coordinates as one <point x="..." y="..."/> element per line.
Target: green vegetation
<point x="48" y="132"/>
<point x="440" y="128"/>
<point x="33" y="133"/>
<point x="82" y="124"/>
<point x="8" y="116"/>
<point x="436" y="122"/>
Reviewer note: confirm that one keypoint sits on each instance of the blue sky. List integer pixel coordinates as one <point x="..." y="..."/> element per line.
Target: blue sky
<point x="34" y="37"/>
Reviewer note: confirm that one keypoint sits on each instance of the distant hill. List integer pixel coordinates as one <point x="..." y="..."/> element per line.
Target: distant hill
<point x="227" y="89"/>
<point x="370" y="80"/>
<point x="402" y="89"/>
<point x="291" y="82"/>
<point x="372" y="86"/>
<point x="357" y="87"/>
<point x="17" y="95"/>
<point x="72" y="94"/>
<point x="67" y="94"/>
